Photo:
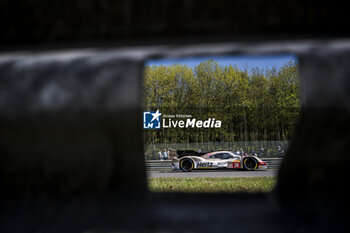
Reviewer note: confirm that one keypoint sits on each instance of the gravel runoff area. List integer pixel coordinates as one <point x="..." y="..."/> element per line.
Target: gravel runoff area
<point x="212" y="173"/>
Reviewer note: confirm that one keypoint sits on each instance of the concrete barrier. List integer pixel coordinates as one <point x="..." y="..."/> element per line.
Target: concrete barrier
<point x="61" y="120"/>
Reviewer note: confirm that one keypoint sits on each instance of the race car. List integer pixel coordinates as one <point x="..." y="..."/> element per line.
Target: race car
<point x="191" y="160"/>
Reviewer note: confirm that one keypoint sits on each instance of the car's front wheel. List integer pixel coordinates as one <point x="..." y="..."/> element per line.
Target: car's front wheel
<point x="250" y="164"/>
<point x="186" y="165"/>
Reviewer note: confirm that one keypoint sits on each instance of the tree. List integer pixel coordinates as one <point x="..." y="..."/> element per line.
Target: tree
<point x="253" y="105"/>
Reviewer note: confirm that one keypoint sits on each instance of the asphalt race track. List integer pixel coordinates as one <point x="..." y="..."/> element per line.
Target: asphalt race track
<point x="212" y="173"/>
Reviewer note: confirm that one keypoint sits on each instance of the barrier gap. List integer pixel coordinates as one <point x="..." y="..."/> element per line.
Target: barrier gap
<point x="244" y="104"/>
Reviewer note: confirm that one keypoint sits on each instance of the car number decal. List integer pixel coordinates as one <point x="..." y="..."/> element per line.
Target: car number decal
<point x="234" y="164"/>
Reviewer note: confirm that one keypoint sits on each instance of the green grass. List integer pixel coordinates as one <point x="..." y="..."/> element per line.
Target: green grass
<point x="209" y="184"/>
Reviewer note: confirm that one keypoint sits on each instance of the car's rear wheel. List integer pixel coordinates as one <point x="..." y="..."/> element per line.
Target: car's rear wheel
<point x="186" y="165"/>
<point x="250" y="164"/>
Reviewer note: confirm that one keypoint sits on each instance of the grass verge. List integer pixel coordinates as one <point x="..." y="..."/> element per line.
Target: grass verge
<point x="210" y="184"/>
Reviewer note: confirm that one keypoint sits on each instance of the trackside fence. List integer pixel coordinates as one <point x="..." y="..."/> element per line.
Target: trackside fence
<point x="165" y="165"/>
<point x="264" y="149"/>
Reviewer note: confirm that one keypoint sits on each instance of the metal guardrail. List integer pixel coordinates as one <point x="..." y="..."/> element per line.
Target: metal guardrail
<point x="158" y="165"/>
<point x="165" y="165"/>
<point x="272" y="163"/>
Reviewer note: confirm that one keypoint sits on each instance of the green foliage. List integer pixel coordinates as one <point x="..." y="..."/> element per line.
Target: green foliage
<point x="253" y="104"/>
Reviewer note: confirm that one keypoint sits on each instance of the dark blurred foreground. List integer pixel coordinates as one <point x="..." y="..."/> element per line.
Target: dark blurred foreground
<point x="71" y="151"/>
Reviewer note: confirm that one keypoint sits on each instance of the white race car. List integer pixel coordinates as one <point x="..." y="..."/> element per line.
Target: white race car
<point x="191" y="160"/>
